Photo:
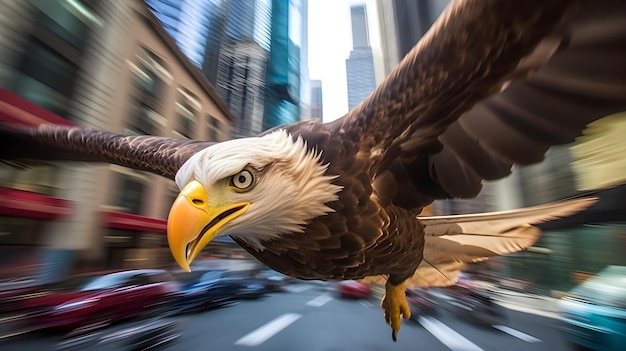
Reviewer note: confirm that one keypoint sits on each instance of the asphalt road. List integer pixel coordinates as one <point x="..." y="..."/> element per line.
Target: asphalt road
<point x="311" y="317"/>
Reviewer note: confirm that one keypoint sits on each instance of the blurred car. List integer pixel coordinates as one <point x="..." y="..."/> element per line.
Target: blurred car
<point x="92" y="301"/>
<point x="594" y="313"/>
<point x="353" y="289"/>
<point x="9" y="298"/>
<point x="144" y="335"/>
<point x="421" y="303"/>
<point x="211" y="288"/>
<point x="475" y="305"/>
<point x="252" y="284"/>
<point x="276" y="281"/>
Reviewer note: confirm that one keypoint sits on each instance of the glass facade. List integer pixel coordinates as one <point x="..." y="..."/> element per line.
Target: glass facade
<point x="250" y="50"/>
<point x="360" y="64"/>
<point x="283" y="85"/>
<point x="188" y="22"/>
<point x="243" y="60"/>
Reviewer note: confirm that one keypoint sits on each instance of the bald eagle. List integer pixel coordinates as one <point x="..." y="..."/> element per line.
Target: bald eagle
<point x="493" y="84"/>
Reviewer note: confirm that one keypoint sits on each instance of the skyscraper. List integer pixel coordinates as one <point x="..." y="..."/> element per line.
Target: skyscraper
<point x="284" y="73"/>
<point x="360" y="64"/>
<point x="317" y="106"/>
<point x="242" y="61"/>
<point x="250" y="50"/>
<point x="402" y="24"/>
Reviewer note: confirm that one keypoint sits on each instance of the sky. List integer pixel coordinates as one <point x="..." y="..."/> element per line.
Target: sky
<point x="330" y="42"/>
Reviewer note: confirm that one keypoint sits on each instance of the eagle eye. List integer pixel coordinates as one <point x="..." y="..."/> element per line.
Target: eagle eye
<point x="242" y="181"/>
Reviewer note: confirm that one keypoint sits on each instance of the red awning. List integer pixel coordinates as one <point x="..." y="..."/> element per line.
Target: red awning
<point x="19" y="203"/>
<point x="129" y="221"/>
<point x="16" y="110"/>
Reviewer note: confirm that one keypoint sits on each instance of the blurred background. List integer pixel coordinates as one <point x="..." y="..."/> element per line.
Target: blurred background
<point x="218" y="69"/>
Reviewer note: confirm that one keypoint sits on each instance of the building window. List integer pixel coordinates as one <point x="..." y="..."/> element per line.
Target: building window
<point x="45" y="77"/>
<point x="213" y="128"/>
<point x="38" y="179"/>
<point x="130" y="194"/>
<point x="70" y="20"/>
<point x="187" y="107"/>
<point x="145" y="120"/>
<point x="151" y="78"/>
<point x="151" y="74"/>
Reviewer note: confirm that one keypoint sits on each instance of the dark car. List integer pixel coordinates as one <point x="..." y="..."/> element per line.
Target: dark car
<point x="421" y="303"/>
<point x="95" y="300"/>
<point x="204" y="289"/>
<point x="252" y="283"/>
<point x="211" y="288"/>
<point x="594" y="313"/>
<point x="276" y="281"/>
<point x="475" y="305"/>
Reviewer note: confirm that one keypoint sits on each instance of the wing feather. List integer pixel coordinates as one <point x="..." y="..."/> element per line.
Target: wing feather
<point x="453" y="241"/>
<point x="159" y="155"/>
<point x="470" y="101"/>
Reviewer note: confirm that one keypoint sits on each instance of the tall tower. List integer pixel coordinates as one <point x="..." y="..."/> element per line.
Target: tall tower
<point x="317" y="106"/>
<point x="360" y="64"/>
<point x="253" y="52"/>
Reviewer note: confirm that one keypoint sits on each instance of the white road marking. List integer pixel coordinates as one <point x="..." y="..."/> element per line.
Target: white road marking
<point x="459" y="305"/>
<point x="366" y="303"/>
<point x="440" y="295"/>
<point x="320" y="300"/>
<point x="453" y="340"/>
<point x="264" y="332"/>
<point x="547" y="314"/>
<point x="298" y="288"/>
<point x="516" y="333"/>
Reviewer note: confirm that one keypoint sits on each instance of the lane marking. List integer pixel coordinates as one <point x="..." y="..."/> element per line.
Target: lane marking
<point x="298" y="288"/>
<point x="269" y="329"/>
<point x="453" y="340"/>
<point x="320" y="300"/>
<point x="454" y="303"/>
<point x="547" y="314"/>
<point x="516" y="333"/>
<point x="366" y="303"/>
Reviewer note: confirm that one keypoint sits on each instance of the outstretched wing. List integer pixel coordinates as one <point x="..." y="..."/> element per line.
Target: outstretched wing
<point x="453" y="241"/>
<point x="159" y="155"/>
<point x="493" y="83"/>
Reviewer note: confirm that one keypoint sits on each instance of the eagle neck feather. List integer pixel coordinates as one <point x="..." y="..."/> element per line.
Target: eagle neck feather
<point x="293" y="187"/>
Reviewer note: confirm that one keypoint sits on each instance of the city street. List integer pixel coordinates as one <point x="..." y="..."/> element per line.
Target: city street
<point x="312" y="317"/>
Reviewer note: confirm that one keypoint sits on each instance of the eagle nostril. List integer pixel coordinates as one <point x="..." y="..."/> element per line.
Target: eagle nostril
<point x="197" y="202"/>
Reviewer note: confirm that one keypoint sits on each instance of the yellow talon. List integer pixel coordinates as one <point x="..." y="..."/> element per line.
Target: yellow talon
<point x="394" y="303"/>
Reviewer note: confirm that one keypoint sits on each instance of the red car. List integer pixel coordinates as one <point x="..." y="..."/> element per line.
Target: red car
<point x="87" y="302"/>
<point x="353" y="289"/>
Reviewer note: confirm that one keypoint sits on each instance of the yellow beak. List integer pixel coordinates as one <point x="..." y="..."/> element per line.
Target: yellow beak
<point x="193" y="223"/>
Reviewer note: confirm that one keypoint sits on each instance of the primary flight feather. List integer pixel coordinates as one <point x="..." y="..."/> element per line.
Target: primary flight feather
<point x="491" y="85"/>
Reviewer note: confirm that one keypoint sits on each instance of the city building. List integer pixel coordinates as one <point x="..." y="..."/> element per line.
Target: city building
<point x="253" y="51"/>
<point x="284" y="72"/>
<point x="360" y="65"/>
<point x="106" y="65"/>
<point x="317" y="104"/>
<point x="402" y="24"/>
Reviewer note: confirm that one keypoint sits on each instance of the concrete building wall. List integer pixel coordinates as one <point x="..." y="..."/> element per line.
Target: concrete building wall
<point x="105" y="93"/>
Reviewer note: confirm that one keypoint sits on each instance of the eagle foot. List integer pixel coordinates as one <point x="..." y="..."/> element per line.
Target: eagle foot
<point x="394" y="304"/>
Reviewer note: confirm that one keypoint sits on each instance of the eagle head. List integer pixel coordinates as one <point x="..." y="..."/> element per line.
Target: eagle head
<point x="255" y="189"/>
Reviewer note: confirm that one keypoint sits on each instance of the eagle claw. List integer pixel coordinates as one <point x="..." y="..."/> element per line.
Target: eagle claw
<point x="395" y="305"/>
